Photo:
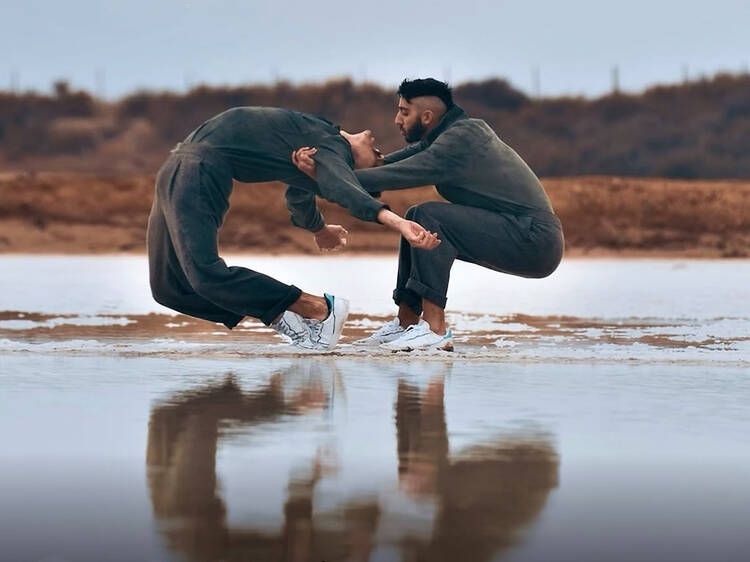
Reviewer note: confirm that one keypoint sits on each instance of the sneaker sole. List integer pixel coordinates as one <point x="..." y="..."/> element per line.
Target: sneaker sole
<point x="448" y="347"/>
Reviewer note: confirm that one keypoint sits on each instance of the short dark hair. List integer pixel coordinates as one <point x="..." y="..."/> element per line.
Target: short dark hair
<point x="426" y="87"/>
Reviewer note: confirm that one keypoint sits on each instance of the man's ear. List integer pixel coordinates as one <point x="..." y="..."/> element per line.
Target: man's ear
<point x="427" y="117"/>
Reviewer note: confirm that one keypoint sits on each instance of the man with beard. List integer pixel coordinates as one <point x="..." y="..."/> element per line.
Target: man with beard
<point x="252" y="144"/>
<point x="497" y="214"/>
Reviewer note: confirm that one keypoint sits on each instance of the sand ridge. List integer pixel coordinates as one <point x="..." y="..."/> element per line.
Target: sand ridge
<point x="601" y="215"/>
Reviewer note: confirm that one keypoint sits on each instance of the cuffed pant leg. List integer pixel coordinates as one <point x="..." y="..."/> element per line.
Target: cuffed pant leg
<point x="424" y="273"/>
<point x="401" y="294"/>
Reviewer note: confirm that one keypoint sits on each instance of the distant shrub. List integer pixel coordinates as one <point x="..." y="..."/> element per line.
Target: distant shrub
<point x="493" y="94"/>
<point x="699" y="129"/>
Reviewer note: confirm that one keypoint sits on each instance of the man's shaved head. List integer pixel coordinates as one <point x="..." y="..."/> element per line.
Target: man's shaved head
<point x="431" y="103"/>
<point x="426" y="87"/>
<point x="423" y="103"/>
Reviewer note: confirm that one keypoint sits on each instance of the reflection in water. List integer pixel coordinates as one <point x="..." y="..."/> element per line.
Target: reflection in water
<point x="484" y="495"/>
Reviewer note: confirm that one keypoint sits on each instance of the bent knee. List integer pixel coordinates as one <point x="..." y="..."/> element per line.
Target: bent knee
<point x="541" y="274"/>
<point x="411" y="212"/>
<point x="162" y="293"/>
<point x="545" y="269"/>
<point x="424" y="213"/>
<point x="164" y="289"/>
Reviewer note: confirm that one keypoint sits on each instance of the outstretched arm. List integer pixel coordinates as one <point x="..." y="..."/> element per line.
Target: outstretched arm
<point x="399" y="155"/>
<point x="337" y="183"/>
<point x="414" y="166"/>
<point x="414" y="233"/>
<point x="437" y="163"/>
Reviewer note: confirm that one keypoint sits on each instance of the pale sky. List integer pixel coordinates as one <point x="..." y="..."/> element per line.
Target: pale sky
<point x="117" y="47"/>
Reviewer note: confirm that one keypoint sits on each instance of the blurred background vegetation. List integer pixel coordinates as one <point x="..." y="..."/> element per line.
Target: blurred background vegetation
<point x="698" y="129"/>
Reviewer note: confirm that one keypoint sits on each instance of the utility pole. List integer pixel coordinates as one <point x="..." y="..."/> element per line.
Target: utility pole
<point x="447" y="74"/>
<point x="615" y="79"/>
<point x="15" y="80"/>
<point x="100" y="81"/>
<point x="187" y="80"/>
<point x="685" y="74"/>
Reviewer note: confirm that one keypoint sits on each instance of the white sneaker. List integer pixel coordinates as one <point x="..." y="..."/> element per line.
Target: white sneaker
<point x="386" y="333"/>
<point x="323" y="335"/>
<point x="418" y="337"/>
<point x="293" y="328"/>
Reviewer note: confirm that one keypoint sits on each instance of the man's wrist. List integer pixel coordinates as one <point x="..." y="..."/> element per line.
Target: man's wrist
<point x="388" y="218"/>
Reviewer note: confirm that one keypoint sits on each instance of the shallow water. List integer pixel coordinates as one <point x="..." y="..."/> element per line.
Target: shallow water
<point x="600" y="414"/>
<point x="112" y="458"/>
<point x="589" y="310"/>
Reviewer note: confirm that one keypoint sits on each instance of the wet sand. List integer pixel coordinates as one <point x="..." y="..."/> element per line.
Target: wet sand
<point x="478" y="338"/>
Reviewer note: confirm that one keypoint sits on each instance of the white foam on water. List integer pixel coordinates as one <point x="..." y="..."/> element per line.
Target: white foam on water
<point x="66" y="321"/>
<point x="722" y="328"/>
<point x="729" y="329"/>
<point x="157" y="347"/>
<point x="485" y="323"/>
<point x="651" y="309"/>
<point x="738" y="352"/>
<point x="550" y="349"/>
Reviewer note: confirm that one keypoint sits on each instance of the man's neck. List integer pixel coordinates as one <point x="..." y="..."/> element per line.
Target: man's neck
<point x="449" y="117"/>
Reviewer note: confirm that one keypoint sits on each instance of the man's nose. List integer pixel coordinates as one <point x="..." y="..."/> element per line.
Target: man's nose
<point x="398" y="120"/>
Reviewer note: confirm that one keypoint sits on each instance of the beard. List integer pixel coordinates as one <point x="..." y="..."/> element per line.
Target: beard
<point x="415" y="132"/>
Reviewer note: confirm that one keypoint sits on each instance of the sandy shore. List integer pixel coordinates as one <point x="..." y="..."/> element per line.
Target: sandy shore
<point x="517" y="338"/>
<point x="602" y="216"/>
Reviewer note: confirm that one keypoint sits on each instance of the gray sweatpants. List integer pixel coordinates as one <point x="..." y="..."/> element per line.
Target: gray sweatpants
<point x="528" y="246"/>
<point x="186" y="272"/>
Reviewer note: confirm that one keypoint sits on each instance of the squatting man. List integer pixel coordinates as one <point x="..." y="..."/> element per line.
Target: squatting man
<point x="253" y="144"/>
<point x="496" y="214"/>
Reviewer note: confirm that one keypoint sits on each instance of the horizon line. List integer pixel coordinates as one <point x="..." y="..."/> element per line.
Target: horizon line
<point x="615" y="88"/>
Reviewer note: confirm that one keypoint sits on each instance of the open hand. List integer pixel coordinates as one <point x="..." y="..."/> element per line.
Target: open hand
<point x="331" y="238"/>
<point x="417" y="236"/>
<point x="302" y="158"/>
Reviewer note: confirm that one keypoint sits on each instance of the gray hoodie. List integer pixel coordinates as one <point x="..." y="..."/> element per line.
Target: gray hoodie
<point x="257" y="143"/>
<point x="467" y="163"/>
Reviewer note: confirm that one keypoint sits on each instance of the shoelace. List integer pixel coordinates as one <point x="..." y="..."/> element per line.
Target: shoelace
<point x="315" y="330"/>
<point x="297" y="337"/>
<point x="292" y="333"/>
